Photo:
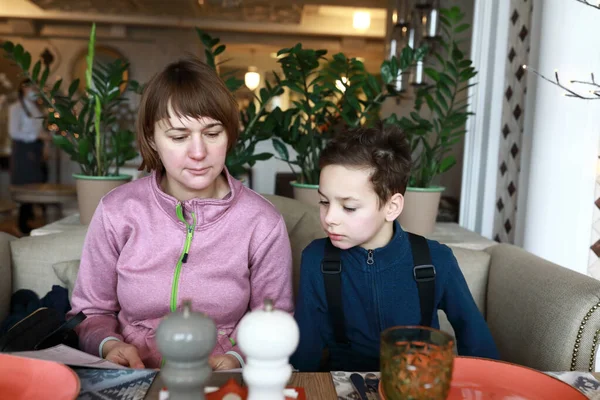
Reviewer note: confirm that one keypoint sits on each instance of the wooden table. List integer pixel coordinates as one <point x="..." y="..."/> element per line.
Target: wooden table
<point x="317" y="385"/>
<point x="53" y="195"/>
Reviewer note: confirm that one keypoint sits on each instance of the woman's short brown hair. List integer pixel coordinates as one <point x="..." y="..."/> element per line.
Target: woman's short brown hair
<point x="384" y="149"/>
<point x="192" y="89"/>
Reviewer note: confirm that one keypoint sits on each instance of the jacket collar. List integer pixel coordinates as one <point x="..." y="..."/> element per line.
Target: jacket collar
<point x="384" y="257"/>
<point x="208" y="211"/>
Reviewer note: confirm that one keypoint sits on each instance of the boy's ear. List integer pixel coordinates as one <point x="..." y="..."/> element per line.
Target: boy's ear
<point x="394" y="207"/>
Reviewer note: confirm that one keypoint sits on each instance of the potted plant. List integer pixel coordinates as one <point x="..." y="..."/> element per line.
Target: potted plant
<point x="254" y="127"/>
<point x="340" y="93"/>
<point x="85" y="125"/>
<point x="331" y="94"/>
<point x="436" y="124"/>
<point x="327" y="94"/>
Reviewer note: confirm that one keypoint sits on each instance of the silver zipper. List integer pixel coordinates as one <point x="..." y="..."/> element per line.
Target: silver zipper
<point x="370" y="259"/>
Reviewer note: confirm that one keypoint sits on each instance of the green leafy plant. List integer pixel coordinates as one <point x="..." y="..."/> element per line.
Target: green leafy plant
<point x="330" y="94"/>
<point x="437" y="122"/>
<point x="302" y="126"/>
<point x="255" y="127"/>
<point x="85" y="125"/>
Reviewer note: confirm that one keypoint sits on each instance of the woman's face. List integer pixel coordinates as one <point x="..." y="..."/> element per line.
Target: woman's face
<point x="193" y="152"/>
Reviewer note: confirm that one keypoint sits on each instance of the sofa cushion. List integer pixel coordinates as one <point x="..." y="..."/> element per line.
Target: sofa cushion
<point x="475" y="266"/>
<point x="67" y="271"/>
<point x="33" y="257"/>
<point x="303" y="226"/>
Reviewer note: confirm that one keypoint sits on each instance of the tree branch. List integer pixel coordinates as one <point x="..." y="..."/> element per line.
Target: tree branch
<point x="589" y="4"/>
<point x="589" y="83"/>
<point x="595" y="94"/>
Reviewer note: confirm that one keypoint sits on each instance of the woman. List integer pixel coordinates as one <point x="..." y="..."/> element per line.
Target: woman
<point x="25" y="127"/>
<point x="187" y="231"/>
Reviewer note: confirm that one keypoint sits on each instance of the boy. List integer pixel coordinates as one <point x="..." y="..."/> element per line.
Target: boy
<point x="365" y="282"/>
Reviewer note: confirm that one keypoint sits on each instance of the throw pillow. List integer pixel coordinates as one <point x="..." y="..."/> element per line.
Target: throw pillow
<point x="66" y="271"/>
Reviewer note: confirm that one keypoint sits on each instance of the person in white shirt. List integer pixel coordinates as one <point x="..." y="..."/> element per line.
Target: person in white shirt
<point x="26" y="129"/>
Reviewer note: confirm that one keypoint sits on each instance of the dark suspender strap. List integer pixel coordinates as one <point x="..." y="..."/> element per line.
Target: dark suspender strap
<point x="424" y="274"/>
<point x="331" y="267"/>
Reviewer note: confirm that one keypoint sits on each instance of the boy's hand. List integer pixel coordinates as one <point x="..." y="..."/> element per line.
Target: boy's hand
<point x="122" y="353"/>
<point x="223" y="362"/>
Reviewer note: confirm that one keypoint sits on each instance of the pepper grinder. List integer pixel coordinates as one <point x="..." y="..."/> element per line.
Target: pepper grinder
<point x="185" y="340"/>
<point x="267" y="337"/>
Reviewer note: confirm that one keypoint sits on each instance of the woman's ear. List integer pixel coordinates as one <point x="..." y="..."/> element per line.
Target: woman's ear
<point x="394" y="207"/>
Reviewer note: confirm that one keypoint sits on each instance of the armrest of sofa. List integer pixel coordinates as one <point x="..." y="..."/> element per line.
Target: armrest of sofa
<point x="5" y="273"/>
<point x="542" y="315"/>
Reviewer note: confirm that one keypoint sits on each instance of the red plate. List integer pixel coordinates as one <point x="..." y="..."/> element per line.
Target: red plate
<point x="478" y="378"/>
<point x="27" y="379"/>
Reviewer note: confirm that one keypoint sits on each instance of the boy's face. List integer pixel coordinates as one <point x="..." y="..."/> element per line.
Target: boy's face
<point x="350" y="210"/>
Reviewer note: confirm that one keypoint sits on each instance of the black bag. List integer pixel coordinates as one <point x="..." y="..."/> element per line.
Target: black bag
<point x="40" y="330"/>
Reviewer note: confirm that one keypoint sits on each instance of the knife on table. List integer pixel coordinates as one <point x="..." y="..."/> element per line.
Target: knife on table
<point x="359" y="386"/>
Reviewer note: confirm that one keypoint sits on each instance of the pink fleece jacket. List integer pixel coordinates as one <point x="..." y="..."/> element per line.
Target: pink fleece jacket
<point x="239" y="255"/>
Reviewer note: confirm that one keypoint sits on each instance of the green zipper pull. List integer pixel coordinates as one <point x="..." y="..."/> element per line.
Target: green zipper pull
<point x="184" y="256"/>
<point x="188" y="239"/>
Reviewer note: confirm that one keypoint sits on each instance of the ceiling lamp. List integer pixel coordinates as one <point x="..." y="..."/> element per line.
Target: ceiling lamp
<point x="414" y="22"/>
<point x="361" y="20"/>
<point x="252" y="78"/>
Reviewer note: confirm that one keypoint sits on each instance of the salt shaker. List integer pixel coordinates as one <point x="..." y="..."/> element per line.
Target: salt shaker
<point x="268" y="337"/>
<point x="185" y="340"/>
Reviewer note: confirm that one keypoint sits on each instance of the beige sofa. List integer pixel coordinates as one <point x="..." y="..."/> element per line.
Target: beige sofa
<point x="540" y="314"/>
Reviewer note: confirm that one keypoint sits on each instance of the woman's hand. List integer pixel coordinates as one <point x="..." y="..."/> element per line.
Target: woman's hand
<point x="122" y="353"/>
<point x="223" y="362"/>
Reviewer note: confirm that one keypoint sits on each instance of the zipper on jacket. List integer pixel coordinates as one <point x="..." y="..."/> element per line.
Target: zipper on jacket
<point x="371" y="261"/>
<point x="189" y="235"/>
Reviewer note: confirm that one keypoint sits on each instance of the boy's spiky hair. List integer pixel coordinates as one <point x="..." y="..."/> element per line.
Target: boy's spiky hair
<point x="383" y="148"/>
